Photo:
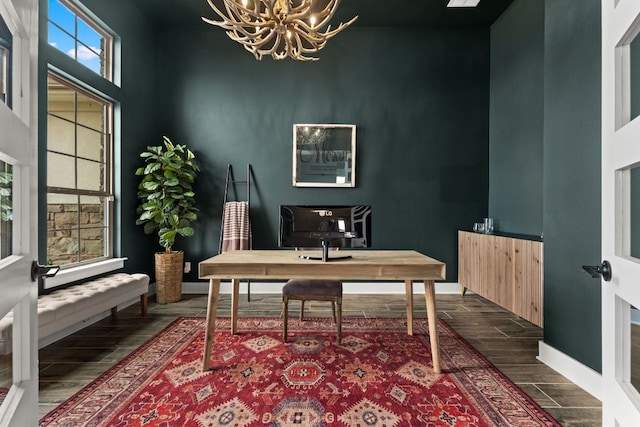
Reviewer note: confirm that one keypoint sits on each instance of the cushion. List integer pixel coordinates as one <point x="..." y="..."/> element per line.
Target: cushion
<point x="316" y="287"/>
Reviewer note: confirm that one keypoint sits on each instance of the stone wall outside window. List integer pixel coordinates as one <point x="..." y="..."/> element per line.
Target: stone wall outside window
<point x="64" y="223"/>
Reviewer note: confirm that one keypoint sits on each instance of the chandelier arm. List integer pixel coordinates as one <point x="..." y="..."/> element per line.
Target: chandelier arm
<point x="261" y="41"/>
<point x="300" y="50"/>
<point x="309" y="37"/>
<point x="317" y="37"/>
<point x="273" y="50"/>
<point x="256" y="45"/>
<point x="237" y="15"/>
<point x="253" y="52"/>
<point x="327" y="13"/>
<point x="317" y="44"/>
<point x="243" y="34"/>
<point x="300" y="12"/>
<point x="330" y="33"/>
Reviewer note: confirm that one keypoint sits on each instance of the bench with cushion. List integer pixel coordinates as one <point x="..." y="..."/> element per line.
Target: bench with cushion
<point x="76" y="305"/>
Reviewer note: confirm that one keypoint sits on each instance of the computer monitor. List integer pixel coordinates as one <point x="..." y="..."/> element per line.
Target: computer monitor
<point x="324" y="227"/>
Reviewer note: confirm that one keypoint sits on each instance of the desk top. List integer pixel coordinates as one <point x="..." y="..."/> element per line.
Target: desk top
<point x="286" y="264"/>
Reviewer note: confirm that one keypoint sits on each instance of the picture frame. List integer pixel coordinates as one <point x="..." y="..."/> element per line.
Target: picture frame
<point x="324" y="155"/>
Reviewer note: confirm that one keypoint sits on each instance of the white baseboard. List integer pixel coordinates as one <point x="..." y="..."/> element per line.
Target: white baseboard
<point x="581" y="375"/>
<point x="350" y="287"/>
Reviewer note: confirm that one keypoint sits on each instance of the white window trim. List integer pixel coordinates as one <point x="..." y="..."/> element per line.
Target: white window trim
<point x="81" y="272"/>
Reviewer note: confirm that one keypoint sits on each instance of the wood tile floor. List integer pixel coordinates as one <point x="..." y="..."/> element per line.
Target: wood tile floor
<point x="506" y="340"/>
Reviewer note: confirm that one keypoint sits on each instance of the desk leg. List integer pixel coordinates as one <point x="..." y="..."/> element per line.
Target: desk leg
<point x="408" y="284"/>
<point x="430" y="295"/>
<point x="212" y="308"/>
<point x="235" y="295"/>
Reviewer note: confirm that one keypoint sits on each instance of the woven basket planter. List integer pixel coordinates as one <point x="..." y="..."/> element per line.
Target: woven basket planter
<point x="169" y="276"/>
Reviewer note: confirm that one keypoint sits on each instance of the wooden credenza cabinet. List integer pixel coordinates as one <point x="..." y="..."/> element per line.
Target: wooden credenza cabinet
<point x="505" y="270"/>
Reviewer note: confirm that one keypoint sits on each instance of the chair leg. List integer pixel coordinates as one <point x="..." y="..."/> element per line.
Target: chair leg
<point x="333" y="311"/>
<point x="285" y="317"/>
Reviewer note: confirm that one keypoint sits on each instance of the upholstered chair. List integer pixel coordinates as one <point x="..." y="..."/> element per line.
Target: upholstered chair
<point x="313" y="290"/>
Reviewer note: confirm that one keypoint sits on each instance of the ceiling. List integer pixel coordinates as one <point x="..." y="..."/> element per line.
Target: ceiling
<point x="372" y="13"/>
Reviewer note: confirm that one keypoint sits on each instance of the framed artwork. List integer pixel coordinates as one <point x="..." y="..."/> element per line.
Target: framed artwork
<point x="324" y="155"/>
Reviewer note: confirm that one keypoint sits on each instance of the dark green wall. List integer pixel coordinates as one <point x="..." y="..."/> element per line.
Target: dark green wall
<point x="420" y="102"/>
<point x="545" y="118"/>
<point x="516" y="119"/>
<point x="572" y="191"/>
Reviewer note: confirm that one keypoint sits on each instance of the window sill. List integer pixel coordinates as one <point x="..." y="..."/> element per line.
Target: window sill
<point x="84" y="271"/>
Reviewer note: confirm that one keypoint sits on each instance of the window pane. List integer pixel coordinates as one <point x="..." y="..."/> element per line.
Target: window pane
<point x="60" y="171"/>
<point x="6" y="43"/>
<point x="91" y="243"/>
<point x="6" y="209"/>
<point x="61" y="40"/>
<point x="90" y="144"/>
<point x="60" y="136"/>
<point x="61" y="16"/>
<point x="4" y="75"/>
<point x="92" y="232"/>
<point x="88" y="36"/>
<point x="89" y="112"/>
<point x="89" y="46"/>
<point x="61" y="100"/>
<point x="62" y="247"/>
<point x="89" y="58"/>
<point x="90" y="175"/>
<point x="62" y="228"/>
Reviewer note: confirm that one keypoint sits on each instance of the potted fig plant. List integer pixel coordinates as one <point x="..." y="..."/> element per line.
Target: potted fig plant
<point x="167" y="207"/>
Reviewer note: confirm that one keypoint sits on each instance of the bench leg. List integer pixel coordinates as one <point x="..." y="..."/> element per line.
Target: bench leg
<point x="143" y="304"/>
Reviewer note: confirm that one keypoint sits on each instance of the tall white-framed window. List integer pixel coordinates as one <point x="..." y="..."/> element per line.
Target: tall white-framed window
<point x="79" y="174"/>
<point x="73" y="32"/>
<point x="5" y="63"/>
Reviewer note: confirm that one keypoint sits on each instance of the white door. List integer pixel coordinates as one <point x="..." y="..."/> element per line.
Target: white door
<point x="620" y="198"/>
<point x="18" y="224"/>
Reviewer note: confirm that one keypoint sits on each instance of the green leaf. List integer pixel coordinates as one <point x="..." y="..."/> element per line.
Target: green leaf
<point x="152" y="167"/>
<point x="168" y="237"/>
<point x="149" y="227"/>
<point x="186" y="231"/>
<point x="191" y="216"/>
<point x="150" y="185"/>
<point x="145" y="216"/>
<point x="172" y="182"/>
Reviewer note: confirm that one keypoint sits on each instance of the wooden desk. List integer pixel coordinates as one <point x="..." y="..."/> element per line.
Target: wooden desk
<point x="285" y="264"/>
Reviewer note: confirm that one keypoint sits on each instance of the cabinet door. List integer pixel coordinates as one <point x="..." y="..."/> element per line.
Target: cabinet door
<point x="500" y="271"/>
<point x="527" y="264"/>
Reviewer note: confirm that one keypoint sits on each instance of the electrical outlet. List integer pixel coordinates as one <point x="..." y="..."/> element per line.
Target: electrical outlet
<point x="187" y="267"/>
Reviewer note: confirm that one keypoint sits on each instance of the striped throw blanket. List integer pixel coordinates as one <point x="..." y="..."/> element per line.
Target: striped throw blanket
<point x="236" y="233"/>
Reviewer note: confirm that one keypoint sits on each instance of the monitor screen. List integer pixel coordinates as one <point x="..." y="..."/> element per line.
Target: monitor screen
<point x="336" y="226"/>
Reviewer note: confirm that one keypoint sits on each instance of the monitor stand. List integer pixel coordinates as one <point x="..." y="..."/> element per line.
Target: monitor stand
<point x="325" y="255"/>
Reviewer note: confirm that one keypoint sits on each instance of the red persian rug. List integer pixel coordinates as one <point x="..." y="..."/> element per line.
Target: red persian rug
<point x="379" y="376"/>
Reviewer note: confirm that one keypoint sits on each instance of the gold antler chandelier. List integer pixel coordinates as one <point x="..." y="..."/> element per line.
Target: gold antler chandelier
<point x="280" y="28"/>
